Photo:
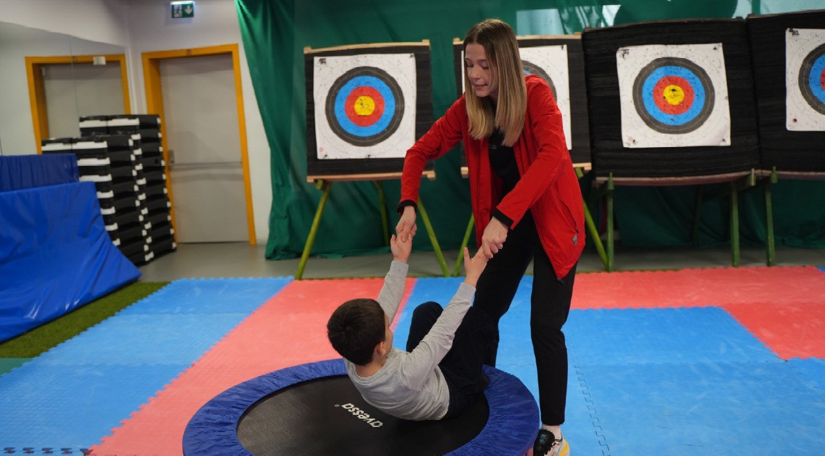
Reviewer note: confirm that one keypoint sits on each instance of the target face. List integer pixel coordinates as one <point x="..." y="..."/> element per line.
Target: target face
<point x="364" y="105"/>
<point x="551" y="64"/>
<point x="805" y="79"/>
<point x="673" y="96"/>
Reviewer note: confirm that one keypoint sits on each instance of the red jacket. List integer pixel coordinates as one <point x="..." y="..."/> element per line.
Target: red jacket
<point x="548" y="185"/>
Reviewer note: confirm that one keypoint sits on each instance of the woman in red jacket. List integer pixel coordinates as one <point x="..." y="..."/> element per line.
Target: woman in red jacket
<point x="525" y="198"/>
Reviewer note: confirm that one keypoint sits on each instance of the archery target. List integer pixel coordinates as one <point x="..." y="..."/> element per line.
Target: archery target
<point x="550" y="63"/>
<point x="673" y="96"/>
<point x="364" y="105"/>
<point x="805" y="79"/>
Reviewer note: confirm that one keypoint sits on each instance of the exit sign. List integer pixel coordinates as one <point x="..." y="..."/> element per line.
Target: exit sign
<point x="182" y="10"/>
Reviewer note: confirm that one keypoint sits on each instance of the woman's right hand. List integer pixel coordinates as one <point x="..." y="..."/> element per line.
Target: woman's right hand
<point x="406" y="226"/>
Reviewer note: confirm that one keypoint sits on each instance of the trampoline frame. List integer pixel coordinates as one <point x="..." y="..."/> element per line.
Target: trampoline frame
<point x="510" y="429"/>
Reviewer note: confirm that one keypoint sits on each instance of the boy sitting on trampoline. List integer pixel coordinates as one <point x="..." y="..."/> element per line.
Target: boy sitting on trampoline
<point x="440" y="374"/>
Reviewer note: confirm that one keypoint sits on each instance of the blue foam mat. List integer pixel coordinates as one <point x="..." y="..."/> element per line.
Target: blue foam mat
<point x="144" y="339"/>
<point x="73" y="406"/>
<point x="204" y="296"/>
<point x="706" y="408"/>
<point x="678" y="335"/>
<point x="75" y="394"/>
<point x="811" y="370"/>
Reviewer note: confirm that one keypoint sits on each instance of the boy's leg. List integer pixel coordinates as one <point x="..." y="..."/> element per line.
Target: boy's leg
<point x="549" y="310"/>
<point x="500" y="280"/>
<point x="462" y="366"/>
<point x="423" y="319"/>
<point x="470" y="347"/>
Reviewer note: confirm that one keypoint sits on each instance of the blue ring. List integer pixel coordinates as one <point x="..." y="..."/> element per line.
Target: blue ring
<point x="814" y="78"/>
<point x="673" y="119"/>
<point x="511" y="426"/>
<point x="341" y="100"/>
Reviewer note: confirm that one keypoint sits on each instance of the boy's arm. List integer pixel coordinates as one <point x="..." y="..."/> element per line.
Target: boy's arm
<point x="393" y="290"/>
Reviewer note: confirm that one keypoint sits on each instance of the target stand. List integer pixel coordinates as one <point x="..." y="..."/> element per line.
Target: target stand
<point x="671" y="104"/>
<point x="313" y="409"/>
<point x="324" y="183"/>
<point x="367" y="104"/>
<point x="788" y="58"/>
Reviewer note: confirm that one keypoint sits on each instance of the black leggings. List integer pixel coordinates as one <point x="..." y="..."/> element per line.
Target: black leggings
<point x="550" y="305"/>
<point x="461" y="365"/>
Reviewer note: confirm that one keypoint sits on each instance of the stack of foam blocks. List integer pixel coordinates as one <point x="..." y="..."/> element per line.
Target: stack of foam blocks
<point x="109" y="162"/>
<point x="146" y="130"/>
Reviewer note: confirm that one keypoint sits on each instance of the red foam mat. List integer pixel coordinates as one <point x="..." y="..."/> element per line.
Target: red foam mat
<point x="698" y="287"/>
<point x="288" y="330"/>
<point x="789" y="329"/>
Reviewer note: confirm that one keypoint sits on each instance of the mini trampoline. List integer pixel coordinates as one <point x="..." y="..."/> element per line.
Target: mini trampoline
<point x="315" y="409"/>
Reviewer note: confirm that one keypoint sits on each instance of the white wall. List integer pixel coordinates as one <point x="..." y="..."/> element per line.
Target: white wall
<point x="215" y="23"/>
<point x="139" y="26"/>
<point x="93" y="20"/>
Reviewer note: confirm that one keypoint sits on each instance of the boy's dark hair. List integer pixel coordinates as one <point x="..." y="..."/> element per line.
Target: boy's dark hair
<point x="355" y="328"/>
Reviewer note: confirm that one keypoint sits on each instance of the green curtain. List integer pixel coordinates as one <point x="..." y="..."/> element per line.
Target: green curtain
<point x="275" y="32"/>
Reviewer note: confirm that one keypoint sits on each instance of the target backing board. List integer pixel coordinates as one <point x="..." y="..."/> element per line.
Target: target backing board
<point x="366" y="106"/>
<point x="560" y="62"/>
<point x="671" y="99"/>
<point x="788" y="57"/>
<point x="673" y="95"/>
<point x="805" y="79"/>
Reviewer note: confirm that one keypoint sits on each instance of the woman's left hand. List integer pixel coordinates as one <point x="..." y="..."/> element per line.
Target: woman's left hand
<point x="493" y="238"/>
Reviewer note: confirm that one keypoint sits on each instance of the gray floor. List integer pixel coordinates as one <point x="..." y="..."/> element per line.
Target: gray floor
<point x="243" y="260"/>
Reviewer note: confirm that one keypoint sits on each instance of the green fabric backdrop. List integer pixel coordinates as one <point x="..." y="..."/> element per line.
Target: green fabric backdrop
<point x="275" y="32"/>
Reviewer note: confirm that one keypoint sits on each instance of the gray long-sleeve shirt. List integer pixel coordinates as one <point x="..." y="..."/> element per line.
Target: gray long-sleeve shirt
<point x="410" y="385"/>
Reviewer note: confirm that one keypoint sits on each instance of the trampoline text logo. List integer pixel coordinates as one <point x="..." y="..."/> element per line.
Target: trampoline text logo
<point x="361" y="415"/>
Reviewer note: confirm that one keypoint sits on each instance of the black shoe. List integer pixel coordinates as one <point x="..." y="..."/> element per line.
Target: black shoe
<point x="547" y="445"/>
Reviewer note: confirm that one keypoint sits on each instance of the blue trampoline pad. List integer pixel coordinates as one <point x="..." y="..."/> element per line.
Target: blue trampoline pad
<point x="706" y="408"/>
<point x="73" y="406"/>
<point x="678" y="335"/>
<point x="205" y="296"/>
<point x="144" y="339"/>
<point x="812" y="370"/>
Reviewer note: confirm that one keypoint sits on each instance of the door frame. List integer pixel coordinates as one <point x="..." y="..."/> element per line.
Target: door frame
<point x="154" y="105"/>
<point x="37" y="88"/>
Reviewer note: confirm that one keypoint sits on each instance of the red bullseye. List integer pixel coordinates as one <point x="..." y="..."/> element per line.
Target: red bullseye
<point x="673" y="95"/>
<point x="822" y="80"/>
<point x="376" y="108"/>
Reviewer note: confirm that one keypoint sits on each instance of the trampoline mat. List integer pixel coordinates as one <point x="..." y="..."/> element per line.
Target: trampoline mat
<point x="326" y="416"/>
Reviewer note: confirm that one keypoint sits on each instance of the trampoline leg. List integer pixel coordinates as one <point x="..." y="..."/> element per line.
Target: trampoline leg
<point x="734" y="225"/>
<point x="770" y="244"/>
<point x="313" y="231"/>
<point x="591" y="226"/>
<point x="382" y="204"/>
<point x="610" y="247"/>
<point x="464" y="243"/>
<point x="437" y="248"/>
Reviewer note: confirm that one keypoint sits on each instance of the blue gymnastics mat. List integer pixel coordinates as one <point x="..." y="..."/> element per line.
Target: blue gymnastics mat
<point x="76" y="393"/>
<point x="811" y="370"/>
<point x="672" y="335"/>
<point x="724" y="408"/>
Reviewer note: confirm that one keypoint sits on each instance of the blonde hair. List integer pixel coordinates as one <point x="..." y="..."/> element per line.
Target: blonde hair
<point x="500" y="45"/>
